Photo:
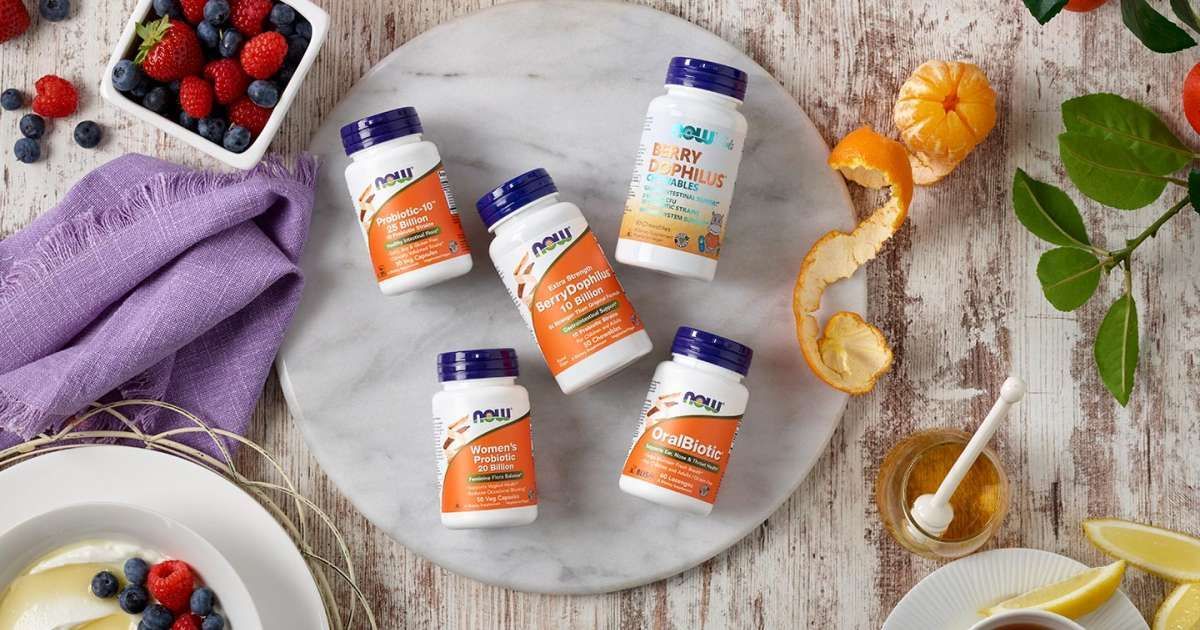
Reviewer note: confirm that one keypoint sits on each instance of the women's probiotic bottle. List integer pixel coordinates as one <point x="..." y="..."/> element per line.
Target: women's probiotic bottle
<point x="561" y="282"/>
<point x="687" y="162"/>
<point x="484" y="441"/>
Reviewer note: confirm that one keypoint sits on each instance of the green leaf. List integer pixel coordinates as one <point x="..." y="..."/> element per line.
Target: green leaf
<point x="1109" y="172"/>
<point x="1186" y="14"/>
<point x="1069" y="277"/>
<point x="1048" y="212"/>
<point x="1043" y="10"/>
<point x="1156" y="32"/>
<point x="1128" y="123"/>
<point x="1116" y="348"/>
<point x="1194" y="190"/>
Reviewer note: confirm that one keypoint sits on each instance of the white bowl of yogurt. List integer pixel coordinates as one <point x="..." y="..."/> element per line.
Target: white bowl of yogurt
<point x="48" y="561"/>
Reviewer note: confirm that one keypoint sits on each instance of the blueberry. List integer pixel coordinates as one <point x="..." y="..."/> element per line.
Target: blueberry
<point x="202" y="601"/>
<point x="136" y="571"/>
<point x="237" y="139"/>
<point x="54" y="10"/>
<point x="168" y="7"/>
<point x="142" y="88"/>
<point x="285" y="29"/>
<point x="285" y="74"/>
<point x="211" y="129"/>
<point x="213" y="622"/>
<point x="156" y="99"/>
<point x="187" y="122"/>
<point x="175" y="86"/>
<point x="27" y="150"/>
<point x="216" y="12"/>
<point x="88" y="134"/>
<point x="263" y="93"/>
<point x="32" y="126"/>
<point x="304" y="28"/>
<point x="296" y="47"/>
<point x="231" y="43"/>
<point x="104" y="585"/>
<point x="208" y="34"/>
<point x="282" y="14"/>
<point x="157" y="617"/>
<point x="126" y="75"/>
<point x="133" y="598"/>
<point x="12" y="99"/>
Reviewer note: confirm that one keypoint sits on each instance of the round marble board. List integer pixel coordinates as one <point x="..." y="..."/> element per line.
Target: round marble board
<point x="563" y="86"/>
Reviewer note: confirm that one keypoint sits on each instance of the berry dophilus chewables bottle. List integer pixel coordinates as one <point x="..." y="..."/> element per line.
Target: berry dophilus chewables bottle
<point x="561" y="282"/>
<point x="483" y="441"/>
<point x="687" y="161"/>
<point x="689" y="421"/>
<point x="403" y="202"/>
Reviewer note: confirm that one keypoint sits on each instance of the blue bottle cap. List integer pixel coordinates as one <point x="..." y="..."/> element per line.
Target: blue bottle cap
<point x="707" y="75"/>
<point x="462" y="365"/>
<point x="513" y="195"/>
<point x="379" y="128"/>
<point x="714" y="349"/>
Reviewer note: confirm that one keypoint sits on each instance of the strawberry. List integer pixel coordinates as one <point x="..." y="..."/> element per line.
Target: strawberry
<point x="56" y="97"/>
<point x="171" y="583"/>
<point x="196" y="97"/>
<point x="187" y="622"/>
<point x="14" y="19"/>
<point x="263" y="56"/>
<point x="246" y="114"/>
<point x="169" y="50"/>
<point x="248" y="16"/>
<point x="193" y="10"/>
<point x="228" y="80"/>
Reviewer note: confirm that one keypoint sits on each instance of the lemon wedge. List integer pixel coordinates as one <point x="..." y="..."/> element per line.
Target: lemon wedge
<point x="1181" y="610"/>
<point x="1168" y="554"/>
<point x="1073" y="597"/>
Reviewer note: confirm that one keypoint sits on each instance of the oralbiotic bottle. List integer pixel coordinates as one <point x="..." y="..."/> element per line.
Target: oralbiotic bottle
<point x="561" y="282"/>
<point x="484" y="441"/>
<point x="688" y="424"/>
<point x="403" y="202"/>
<point x="687" y="162"/>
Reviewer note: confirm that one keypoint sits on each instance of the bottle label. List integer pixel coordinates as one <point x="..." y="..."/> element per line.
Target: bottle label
<point x="568" y="295"/>
<point x="682" y="185"/>
<point x="409" y="218"/>
<point x="683" y="441"/>
<point x="485" y="458"/>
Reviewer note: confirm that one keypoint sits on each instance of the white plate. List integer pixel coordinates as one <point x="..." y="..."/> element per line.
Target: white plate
<point x="948" y="598"/>
<point x="242" y="530"/>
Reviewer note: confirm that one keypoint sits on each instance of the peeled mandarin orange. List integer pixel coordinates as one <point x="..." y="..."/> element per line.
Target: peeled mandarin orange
<point x="852" y="354"/>
<point x="944" y="110"/>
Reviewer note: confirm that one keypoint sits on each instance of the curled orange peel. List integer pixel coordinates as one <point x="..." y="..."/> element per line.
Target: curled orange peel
<point x="852" y="354"/>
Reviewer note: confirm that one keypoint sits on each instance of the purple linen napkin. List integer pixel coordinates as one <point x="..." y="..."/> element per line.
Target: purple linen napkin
<point x="150" y="280"/>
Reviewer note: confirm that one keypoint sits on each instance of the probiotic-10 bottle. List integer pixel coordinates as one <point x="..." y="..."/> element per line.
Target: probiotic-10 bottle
<point x="687" y="162"/>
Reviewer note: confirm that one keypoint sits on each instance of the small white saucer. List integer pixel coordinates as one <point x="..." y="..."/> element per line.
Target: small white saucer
<point x="949" y="598"/>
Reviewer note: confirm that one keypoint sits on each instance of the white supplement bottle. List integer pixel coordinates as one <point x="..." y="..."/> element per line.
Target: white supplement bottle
<point x="688" y="424"/>
<point x="403" y="203"/>
<point x="561" y="282"/>
<point x="686" y="165"/>
<point x="484" y="441"/>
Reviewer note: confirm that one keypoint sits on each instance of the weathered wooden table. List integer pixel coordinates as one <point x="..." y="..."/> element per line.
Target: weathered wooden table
<point x="955" y="293"/>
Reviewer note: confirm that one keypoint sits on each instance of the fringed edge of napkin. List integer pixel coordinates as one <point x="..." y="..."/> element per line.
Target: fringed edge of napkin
<point x="66" y="241"/>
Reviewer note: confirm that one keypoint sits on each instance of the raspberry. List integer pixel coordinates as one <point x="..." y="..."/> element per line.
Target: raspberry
<point x="171" y="583"/>
<point x="248" y="16"/>
<point x="193" y="10"/>
<point x="246" y="114"/>
<point x="14" y="19"/>
<point x="228" y="80"/>
<point x="196" y="97"/>
<point x="56" y="97"/>
<point x="187" y="622"/>
<point x="263" y="56"/>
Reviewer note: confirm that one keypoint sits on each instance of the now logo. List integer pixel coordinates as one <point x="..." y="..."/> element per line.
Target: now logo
<point x="561" y="237"/>
<point x="703" y="402"/>
<point x="695" y="134"/>
<point x="393" y="178"/>
<point x="492" y="415"/>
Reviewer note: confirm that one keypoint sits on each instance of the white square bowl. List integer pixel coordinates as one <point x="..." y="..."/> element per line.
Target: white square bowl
<point x="254" y="153"/>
